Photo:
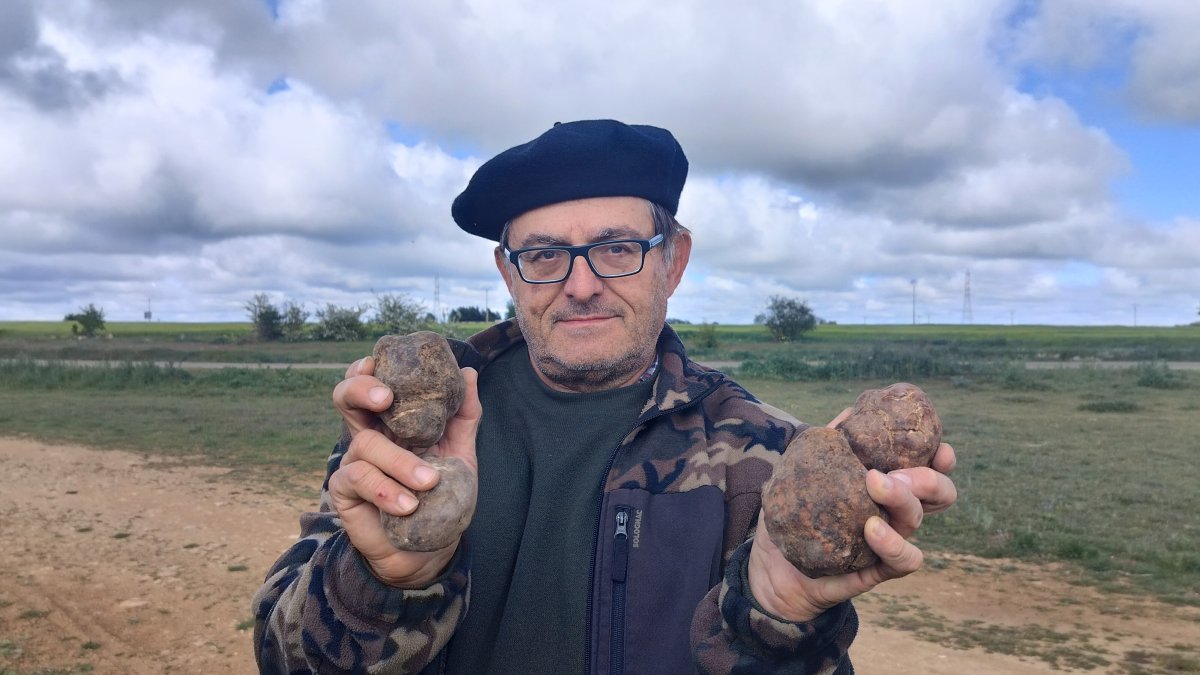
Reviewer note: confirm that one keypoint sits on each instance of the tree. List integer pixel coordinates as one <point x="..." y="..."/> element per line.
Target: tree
<point x="788" y="319"/>
<point x="510" y="310"/>
<point x="295" y="322"/>
<point x="398" y="315"/>
<point x="340" y="324"/>
<point x="472" y="314"/>
<point x="89" y="321"/>
<point x="267" y="320"/>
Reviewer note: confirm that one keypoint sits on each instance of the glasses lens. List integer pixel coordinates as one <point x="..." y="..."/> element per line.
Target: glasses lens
<point x="615" y="258"/>
<point x="544" y="264"/>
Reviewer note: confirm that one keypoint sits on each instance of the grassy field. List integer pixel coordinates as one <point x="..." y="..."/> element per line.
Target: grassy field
<point x="235" y="342"/>
<point x="1093" y="467"/>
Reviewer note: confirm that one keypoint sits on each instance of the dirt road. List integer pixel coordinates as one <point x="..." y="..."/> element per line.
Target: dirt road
<point x="115" y="563"/>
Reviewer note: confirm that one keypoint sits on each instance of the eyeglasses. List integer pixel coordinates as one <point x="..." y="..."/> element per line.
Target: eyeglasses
<point x="608" y="259"/>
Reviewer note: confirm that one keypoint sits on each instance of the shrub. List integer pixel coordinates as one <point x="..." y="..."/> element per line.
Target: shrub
<point x="340" y="324"/>
<point x="397" y="315"/>
<point x="1159" y="377"/>
<point x="295" y="322"/>
<point x="89" y="321"/>
<point x="706" y="336"/>
<point x="267" y="320"/>
<point x="788" y="319"/>
<point x="1116" y="406"/>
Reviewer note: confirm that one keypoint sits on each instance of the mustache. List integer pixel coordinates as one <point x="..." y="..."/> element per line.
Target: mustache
<point x="583" y="309"/>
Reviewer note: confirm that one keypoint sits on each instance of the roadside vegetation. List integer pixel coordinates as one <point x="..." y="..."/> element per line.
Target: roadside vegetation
<point x="1090" y="467"/>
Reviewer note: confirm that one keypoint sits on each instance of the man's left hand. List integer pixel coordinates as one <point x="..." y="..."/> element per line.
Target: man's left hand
<point x="905" y="494"/>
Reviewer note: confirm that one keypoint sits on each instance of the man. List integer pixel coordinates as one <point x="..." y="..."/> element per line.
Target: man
<point x="618" y="480"/>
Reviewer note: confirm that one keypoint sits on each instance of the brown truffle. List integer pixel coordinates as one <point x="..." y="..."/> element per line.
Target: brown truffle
<point x="427" y="386"/>
<point x="893" y="428"/>
<point x="816" y="505"/>
<point x="442" y="514"/>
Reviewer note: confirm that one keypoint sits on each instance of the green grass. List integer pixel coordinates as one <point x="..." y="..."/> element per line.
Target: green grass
<point x="253" y="420"/>
<point x="235" y="342"/>
<point x="1110" y="492"/>
<point x="1092" y="467"/>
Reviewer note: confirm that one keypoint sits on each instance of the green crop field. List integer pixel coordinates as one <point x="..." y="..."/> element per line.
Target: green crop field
<point x="1092" y="467"/>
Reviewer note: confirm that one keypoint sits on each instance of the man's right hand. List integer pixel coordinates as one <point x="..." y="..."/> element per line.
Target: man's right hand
<point x="377" y="475"/>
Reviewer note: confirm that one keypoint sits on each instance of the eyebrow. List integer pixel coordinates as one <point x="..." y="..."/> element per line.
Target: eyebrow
<point x="607" y="234"/>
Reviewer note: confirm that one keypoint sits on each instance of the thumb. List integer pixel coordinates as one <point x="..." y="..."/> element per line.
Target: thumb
<point x="459" y="438"/>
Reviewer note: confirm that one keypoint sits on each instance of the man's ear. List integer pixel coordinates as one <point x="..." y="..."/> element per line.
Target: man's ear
<point x="683" y="251"/>
<point x="502" y="266"/>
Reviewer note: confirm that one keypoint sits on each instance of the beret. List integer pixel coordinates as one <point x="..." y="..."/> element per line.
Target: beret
<point x="573" y="160"/>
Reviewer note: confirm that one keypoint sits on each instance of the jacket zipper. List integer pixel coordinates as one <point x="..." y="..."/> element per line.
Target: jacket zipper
<point x="587" y="655"/>
<point x="620" y="566"/>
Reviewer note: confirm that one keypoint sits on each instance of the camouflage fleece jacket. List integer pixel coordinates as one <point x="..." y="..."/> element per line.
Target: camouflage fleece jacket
<point x="669" y="585"/>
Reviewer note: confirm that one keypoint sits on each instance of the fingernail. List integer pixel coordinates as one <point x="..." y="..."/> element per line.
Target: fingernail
<point x="424" y="474"/>
<point x="887" y="480"/>
<point x="877" y="526"/>
<point x="378" y="394"/>
<point x="902" y="477"/>
<point x="407" y="502"/>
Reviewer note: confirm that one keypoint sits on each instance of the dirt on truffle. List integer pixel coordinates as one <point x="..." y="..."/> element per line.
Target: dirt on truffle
<point x="114" y="562"/>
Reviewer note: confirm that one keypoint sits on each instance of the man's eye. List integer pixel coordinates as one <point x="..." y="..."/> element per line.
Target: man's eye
<point x="543" y="256"/>
<point x="618" y="249"/>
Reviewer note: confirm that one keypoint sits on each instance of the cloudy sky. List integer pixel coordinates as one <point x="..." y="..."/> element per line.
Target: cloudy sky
<point x="187" y="155"/>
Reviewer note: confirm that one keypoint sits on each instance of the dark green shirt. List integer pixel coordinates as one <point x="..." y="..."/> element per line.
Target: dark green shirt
<point x="542" y="459"/>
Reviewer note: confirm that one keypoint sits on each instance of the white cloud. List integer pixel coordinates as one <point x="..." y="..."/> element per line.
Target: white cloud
<point x="1153" y="41"/>
<point x="838" y="149"/>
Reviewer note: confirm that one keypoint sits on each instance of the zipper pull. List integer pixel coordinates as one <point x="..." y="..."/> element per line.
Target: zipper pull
<point x="621" y="545"/>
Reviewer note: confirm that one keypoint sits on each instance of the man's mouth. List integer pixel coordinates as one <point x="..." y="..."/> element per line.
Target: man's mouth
<point x="585" y="320"/>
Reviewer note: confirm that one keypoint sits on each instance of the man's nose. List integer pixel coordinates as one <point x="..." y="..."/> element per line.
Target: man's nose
<point x="582" y="283"/>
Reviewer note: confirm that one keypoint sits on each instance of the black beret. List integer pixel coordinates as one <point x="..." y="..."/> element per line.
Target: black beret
<point x="573" y="160"/>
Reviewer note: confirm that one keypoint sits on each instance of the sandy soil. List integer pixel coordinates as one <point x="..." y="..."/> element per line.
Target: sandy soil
<point x="117" y="563"/>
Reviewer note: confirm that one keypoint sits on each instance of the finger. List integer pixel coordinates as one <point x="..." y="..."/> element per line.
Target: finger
<point x="363" y="366"/>
<point x="944" y="460"/>
<point x="895" y="495"/>
<point x="842" y="417"/>
<point x="935" y="490"/>
<point x="359" y="399"/>
<point x="410" y="472"/>
<point x="897" y="556"/>
<point x="458" y="440"/>
<point x="357" y="491"/>
<point x="361" y="483"/>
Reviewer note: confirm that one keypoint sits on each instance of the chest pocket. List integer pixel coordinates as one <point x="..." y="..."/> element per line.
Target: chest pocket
<point x="657" y="557"/>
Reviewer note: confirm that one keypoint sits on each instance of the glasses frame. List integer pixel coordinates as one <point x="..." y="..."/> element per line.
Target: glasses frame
<point x="582" y="252"/>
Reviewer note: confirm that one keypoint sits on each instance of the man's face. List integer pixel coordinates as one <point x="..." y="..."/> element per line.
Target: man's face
<point x="587" y="333"/>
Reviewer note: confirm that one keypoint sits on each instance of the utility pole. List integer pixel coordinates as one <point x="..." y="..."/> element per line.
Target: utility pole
<point x="437" y="298"/>
<point x="1135" y="315"/>
<point x="966" y="317"/>
<point x="914" y="285"/>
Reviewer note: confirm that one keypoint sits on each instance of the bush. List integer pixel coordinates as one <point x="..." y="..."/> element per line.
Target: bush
<point x="340" y="324"/>
<point x="473" y="314"/>
<point x="706" y="336"/>
<point x="1117" y="406"/>
<point x="1159" y="377"/>
<point x="89" y="321"/>
<point x="267" y="320"/>
<point x="788" y="319"/>
<point x="398" y="315"/>
<point x="295" y="322"/>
